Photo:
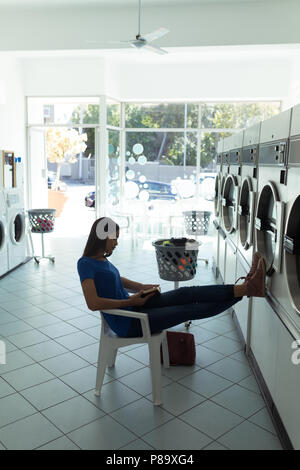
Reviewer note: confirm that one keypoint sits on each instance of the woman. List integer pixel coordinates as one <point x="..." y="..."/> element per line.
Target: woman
<point x="103" y="289"/>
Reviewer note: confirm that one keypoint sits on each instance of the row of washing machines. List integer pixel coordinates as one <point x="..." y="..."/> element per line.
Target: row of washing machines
<point x="12" y="214"/>
<point x="257" y="208"/>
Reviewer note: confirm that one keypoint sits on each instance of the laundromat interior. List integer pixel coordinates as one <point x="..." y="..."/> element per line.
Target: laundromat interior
<point x="176" y="119"/>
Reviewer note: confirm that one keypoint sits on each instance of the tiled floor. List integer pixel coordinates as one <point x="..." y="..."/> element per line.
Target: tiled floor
<point x="47" y="396"/>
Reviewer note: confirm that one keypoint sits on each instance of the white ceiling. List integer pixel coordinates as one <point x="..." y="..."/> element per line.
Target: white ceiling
<point x="109" y="3"/>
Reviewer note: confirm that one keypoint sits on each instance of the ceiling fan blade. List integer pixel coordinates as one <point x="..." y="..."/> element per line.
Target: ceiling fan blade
<point x="158" y="33"/>
<point x="157" y="50"/>
<point x="118" y="42"/>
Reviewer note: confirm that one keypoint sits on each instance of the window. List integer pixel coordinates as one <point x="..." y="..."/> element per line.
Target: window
<point x="51" y="111"/>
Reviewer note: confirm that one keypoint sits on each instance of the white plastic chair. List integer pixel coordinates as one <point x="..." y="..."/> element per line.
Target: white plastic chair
<point x="110" y="342"/>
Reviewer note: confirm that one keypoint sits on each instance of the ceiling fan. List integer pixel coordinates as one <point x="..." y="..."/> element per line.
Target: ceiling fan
<point x="143" y="41"/>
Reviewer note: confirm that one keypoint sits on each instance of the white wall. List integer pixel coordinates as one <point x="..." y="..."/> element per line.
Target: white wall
<point x="63" y="76"/>
<point x="222" y="74"/>
<point x="12" y="123"/>
<point x="220" y="78"/>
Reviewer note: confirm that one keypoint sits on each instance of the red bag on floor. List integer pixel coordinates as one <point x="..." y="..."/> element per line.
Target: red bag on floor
<point x="181" y="346"/>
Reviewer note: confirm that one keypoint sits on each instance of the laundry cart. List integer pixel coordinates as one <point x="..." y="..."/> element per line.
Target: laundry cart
<point x="177" y="260"/>
<point x="41" y="221"/>
<point x="197" y="224"/>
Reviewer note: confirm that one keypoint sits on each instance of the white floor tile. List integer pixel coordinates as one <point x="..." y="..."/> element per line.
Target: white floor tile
<point x="248" y="436"/>
<point x="211" y="419"/>
<point x="48" y="394"/>
<point x="239" y="400"/>
<point x="27" y="376"/>
<point x="16" y="436"/>
<point x="102" y="434"/>
<point x="176" y="435"/>
<point x="13" y="408"/>
<point x="141" y="416"/>
<point x="72" y="414"/>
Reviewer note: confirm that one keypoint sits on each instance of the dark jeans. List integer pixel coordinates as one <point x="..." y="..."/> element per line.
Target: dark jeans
<point x="180" y="305"/>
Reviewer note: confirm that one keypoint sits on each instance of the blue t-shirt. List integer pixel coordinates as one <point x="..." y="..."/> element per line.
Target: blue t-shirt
<point x="108" y="285"/>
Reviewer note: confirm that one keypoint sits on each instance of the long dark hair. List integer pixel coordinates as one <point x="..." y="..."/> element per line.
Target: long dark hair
<point x="98" y="236"/>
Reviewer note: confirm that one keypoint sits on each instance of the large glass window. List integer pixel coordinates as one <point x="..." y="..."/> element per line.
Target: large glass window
<point x="157" y="162"/>
<point x="162" y="152"/>
<point x="236" y="115"/>
<point x="113" y="113"/>
<point x="154" y="115"/>
<point x="51" y="111"/>
<point x="113" y="180"/>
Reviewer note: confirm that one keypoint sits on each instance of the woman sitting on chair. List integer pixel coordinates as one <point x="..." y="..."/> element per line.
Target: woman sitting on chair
<point x="103" y="289"/>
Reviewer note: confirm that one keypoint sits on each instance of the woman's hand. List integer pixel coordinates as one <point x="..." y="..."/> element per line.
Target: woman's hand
<point x="136" y="300"/>
<point x="149" y="286"/>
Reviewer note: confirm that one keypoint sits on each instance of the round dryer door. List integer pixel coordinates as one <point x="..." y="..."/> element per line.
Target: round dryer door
<point x="229" y="203"/>
<point x="17" y="228"/>
<point x="217" y="194"/>
<point x="246" y="213"/>
<point x="268" y="227"/>
<point x="2" y="235"/>
<point x="292" y="253"/>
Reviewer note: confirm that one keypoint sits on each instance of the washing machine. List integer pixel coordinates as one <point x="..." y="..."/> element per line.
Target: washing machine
<point x="3" y="235"/>
<point x="16" y="231"/>
<point x="246" y="216"/>
<point x="272" y="198"/>
<point x="217" y="209"/>
<point x="248" y="193"/>
<point x="230" y="201"/>
<point x="288" y="291"/>
<point x="224" y="168"/>
<point x="268" y="232"/>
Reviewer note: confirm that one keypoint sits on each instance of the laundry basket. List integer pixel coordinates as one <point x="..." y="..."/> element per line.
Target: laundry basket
<point x="41" y="221"/>
<point x="196" y="222"/>
<point x="176" y="258"/>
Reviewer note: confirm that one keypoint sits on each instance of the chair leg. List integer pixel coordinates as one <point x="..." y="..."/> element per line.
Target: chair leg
<point x="112" y="357"/>
<point x="155" y="366"/>
<point x="101" y="366"/>
<point x="203" y="259"/>
<point x="165" y="351"/>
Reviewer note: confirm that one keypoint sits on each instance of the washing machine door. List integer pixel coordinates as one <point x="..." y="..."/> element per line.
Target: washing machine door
<point x="2" y="235"/>
<point x="269" y="227"/>
<point x="217" y="194"/>
<point x="17" y="227"/>
<point x="246" y="213"/>
<point x="229" y="203"/>
<point x="292" y="253"/>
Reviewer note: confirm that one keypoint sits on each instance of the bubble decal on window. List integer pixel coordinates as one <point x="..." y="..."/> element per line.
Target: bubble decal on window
<point x="130" y="174"/>
<point x="137" y="149"/>
<point x="144" y="195"/>
<point x="131" y="190"/>
<point x="142" y="160"/>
